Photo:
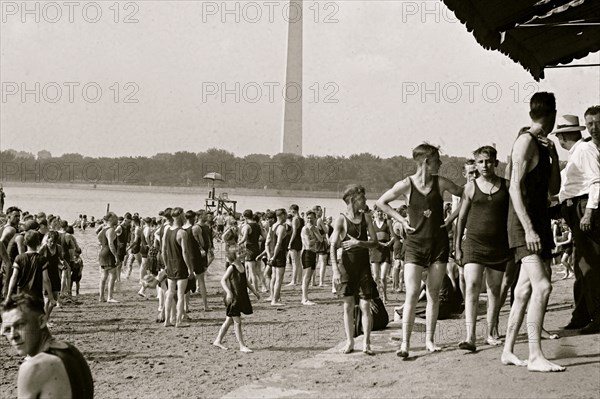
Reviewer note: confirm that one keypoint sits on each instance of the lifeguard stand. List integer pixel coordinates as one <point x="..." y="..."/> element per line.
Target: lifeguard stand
<point x="222" y="202"/>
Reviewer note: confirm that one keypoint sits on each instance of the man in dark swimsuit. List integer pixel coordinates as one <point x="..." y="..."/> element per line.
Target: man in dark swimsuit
<point x="249" y="239"/>
<point x="52" y="368"/>
<point x="534" y="174"/>
<point x="295" y="245"/>
<point x="426" y="244"/>
<point x="179" y="265"/>
<point x="278" y="257"/>
<point x="352" y="276"/>
<point x="7" y="233"/>
<point x="483" y="212"/>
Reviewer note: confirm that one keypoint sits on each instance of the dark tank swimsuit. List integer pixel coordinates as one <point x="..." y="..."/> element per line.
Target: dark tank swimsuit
<point x="80" y="376"/>
<point x="356" y="262"/>
<point x="486" y="241"/>
<point x="428" y="243"/>
<point x="535" y="198"/>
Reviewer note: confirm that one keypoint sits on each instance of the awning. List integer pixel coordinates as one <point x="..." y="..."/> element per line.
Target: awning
<point x="534" y="33"/>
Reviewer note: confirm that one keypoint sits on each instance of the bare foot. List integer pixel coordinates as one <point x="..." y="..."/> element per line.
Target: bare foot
<point x="403" y="351"/>
<point x="245" y="349"/>
<point x="547" y="335"/>
<point x="277" y="303"/>
<point x="308" y="303"/>
<point x="432" y="348"/>
<point x="102" y="299"/>
<point x="167" y="324"/>
<point x="509" y="358"/>
<point x="291" y="285"/>
<point x="219" y="345"/>
<point x="349" y="348"/>
<point x="494" y="341"/>
<point x="367" y="351"/>
<point x="269" y="299"/>
<point x="544" y="365"/>
<point x="468" y="346"/>
<point x="182" y="325"/>
<point x="112" y="301"/>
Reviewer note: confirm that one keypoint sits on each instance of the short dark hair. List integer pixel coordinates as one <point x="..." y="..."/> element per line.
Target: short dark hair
<point x="486" y="150"/>
<point x="32" y="303"/>
<point x="190" y="215"/>
<point x="311" y="212"/>
<point x="109" y="215"/>
<point x="12" y="209"/>
<point x="593" y="110"/>
<point x="176" y="211"/>
<point x="470" y="161"/>
<point x="127" y="216"/>
<point x="425" y="151"/>
<point x="270" y="215"/>
<point x="248" y="213"/>
<point x="53" y="235"/>
<point x="542" y="104"/>
<point x="352" y="191"/>
<point x="295" y="207"/>
<point x="280" y="212"/>
<point x="32" y="239"/>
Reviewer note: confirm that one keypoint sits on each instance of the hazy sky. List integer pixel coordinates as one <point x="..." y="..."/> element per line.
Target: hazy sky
<point x="379" y="77"/>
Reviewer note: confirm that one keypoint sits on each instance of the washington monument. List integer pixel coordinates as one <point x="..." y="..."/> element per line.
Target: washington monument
<point x="291" y="141"/>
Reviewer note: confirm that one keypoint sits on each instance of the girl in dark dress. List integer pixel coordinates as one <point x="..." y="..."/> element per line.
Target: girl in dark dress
<point x="237" y="301"/>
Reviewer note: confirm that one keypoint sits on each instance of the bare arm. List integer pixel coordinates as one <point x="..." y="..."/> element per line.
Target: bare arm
<point x="279" y="244"/>
<point x="111" y="235"/>
<point x="197" y="233"/>
<point x="400" y="189"/>
<point x="339" y="230"/>
<point x="465" y="207"/>
<point x="182" y="239"/>
<point x="225" y="279"/>
<point x="13" y="280"/>
<point x="244" y="237"/>
<point x="295" y="226"/>
<point x="523" y="153"/>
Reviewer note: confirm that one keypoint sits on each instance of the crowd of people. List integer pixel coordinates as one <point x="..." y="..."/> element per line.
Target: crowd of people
<point x="499" y="231"/>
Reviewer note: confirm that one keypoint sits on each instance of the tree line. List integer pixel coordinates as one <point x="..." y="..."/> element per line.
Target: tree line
<point x="255" y="171"/>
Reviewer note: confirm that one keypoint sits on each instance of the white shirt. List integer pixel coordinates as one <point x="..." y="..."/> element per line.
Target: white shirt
<point x="582" y="174"/>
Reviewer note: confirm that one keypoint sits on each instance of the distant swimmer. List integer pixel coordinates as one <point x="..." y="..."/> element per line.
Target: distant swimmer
<point x="108" y="256"/>
<point x="52" y="369"/>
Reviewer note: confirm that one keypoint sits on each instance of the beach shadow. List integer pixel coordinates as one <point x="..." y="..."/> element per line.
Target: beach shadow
<point x="297" y="348"/>
<point x="582" y="363"/>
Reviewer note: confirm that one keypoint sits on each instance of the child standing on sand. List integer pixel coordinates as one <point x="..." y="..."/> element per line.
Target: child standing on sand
<point x="237" y="301"/>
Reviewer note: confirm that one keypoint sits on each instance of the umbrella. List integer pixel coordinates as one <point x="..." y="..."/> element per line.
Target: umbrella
<point x="213" y="176"/>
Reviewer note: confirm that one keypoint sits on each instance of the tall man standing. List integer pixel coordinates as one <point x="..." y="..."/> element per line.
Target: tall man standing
<point x="580" y="185"/>
<point x="354" y="232"/>
<point x="426" y="244"/>
<point x="534" y="175"/>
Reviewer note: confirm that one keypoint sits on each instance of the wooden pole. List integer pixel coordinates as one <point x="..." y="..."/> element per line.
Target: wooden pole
<point x="108" y="207"/>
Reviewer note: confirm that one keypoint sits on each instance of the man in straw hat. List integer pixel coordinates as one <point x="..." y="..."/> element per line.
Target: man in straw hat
<point x="579" y="206"/>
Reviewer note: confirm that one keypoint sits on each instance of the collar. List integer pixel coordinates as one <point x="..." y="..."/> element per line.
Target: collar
<point x="572" y="150"/>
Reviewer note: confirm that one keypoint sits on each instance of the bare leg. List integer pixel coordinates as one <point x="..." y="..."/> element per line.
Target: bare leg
<point x="367" y="323"/>
<point x="308" y="274"/>
<point x="434" y="283"/>
<point x="385" y="269"/>
<point x="536" y="270"/>
<point x="103" y="277"/>
<point x="296" y="263"/>
<point x="142" y="291"/>
<point x="200" y="280"/>
<point x="412" y="278"/>
<point x="349" y="324"/>
<point x="517" y="313"/>
<point x="250" y="272"/>
<point x="396" y="286"/>
<point x="237" y="327"/>
<point x="181" y="285"/>
<point x="112" y="276"/>
<point x="278" y="277"/>
<point x="322" y="263"/>
<point x="473" y="275"/>
<point x="169" y="298"/>
<point x="494" y="283"/>
<point x="222" y="331"/>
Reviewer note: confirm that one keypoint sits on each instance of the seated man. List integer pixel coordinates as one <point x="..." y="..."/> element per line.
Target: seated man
<point x="52" y="368"/>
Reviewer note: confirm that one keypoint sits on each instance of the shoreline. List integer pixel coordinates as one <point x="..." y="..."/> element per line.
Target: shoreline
<point x="231" y="191"/>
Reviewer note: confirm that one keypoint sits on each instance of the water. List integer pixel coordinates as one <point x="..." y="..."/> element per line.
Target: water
<point x="69" y="203"/>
